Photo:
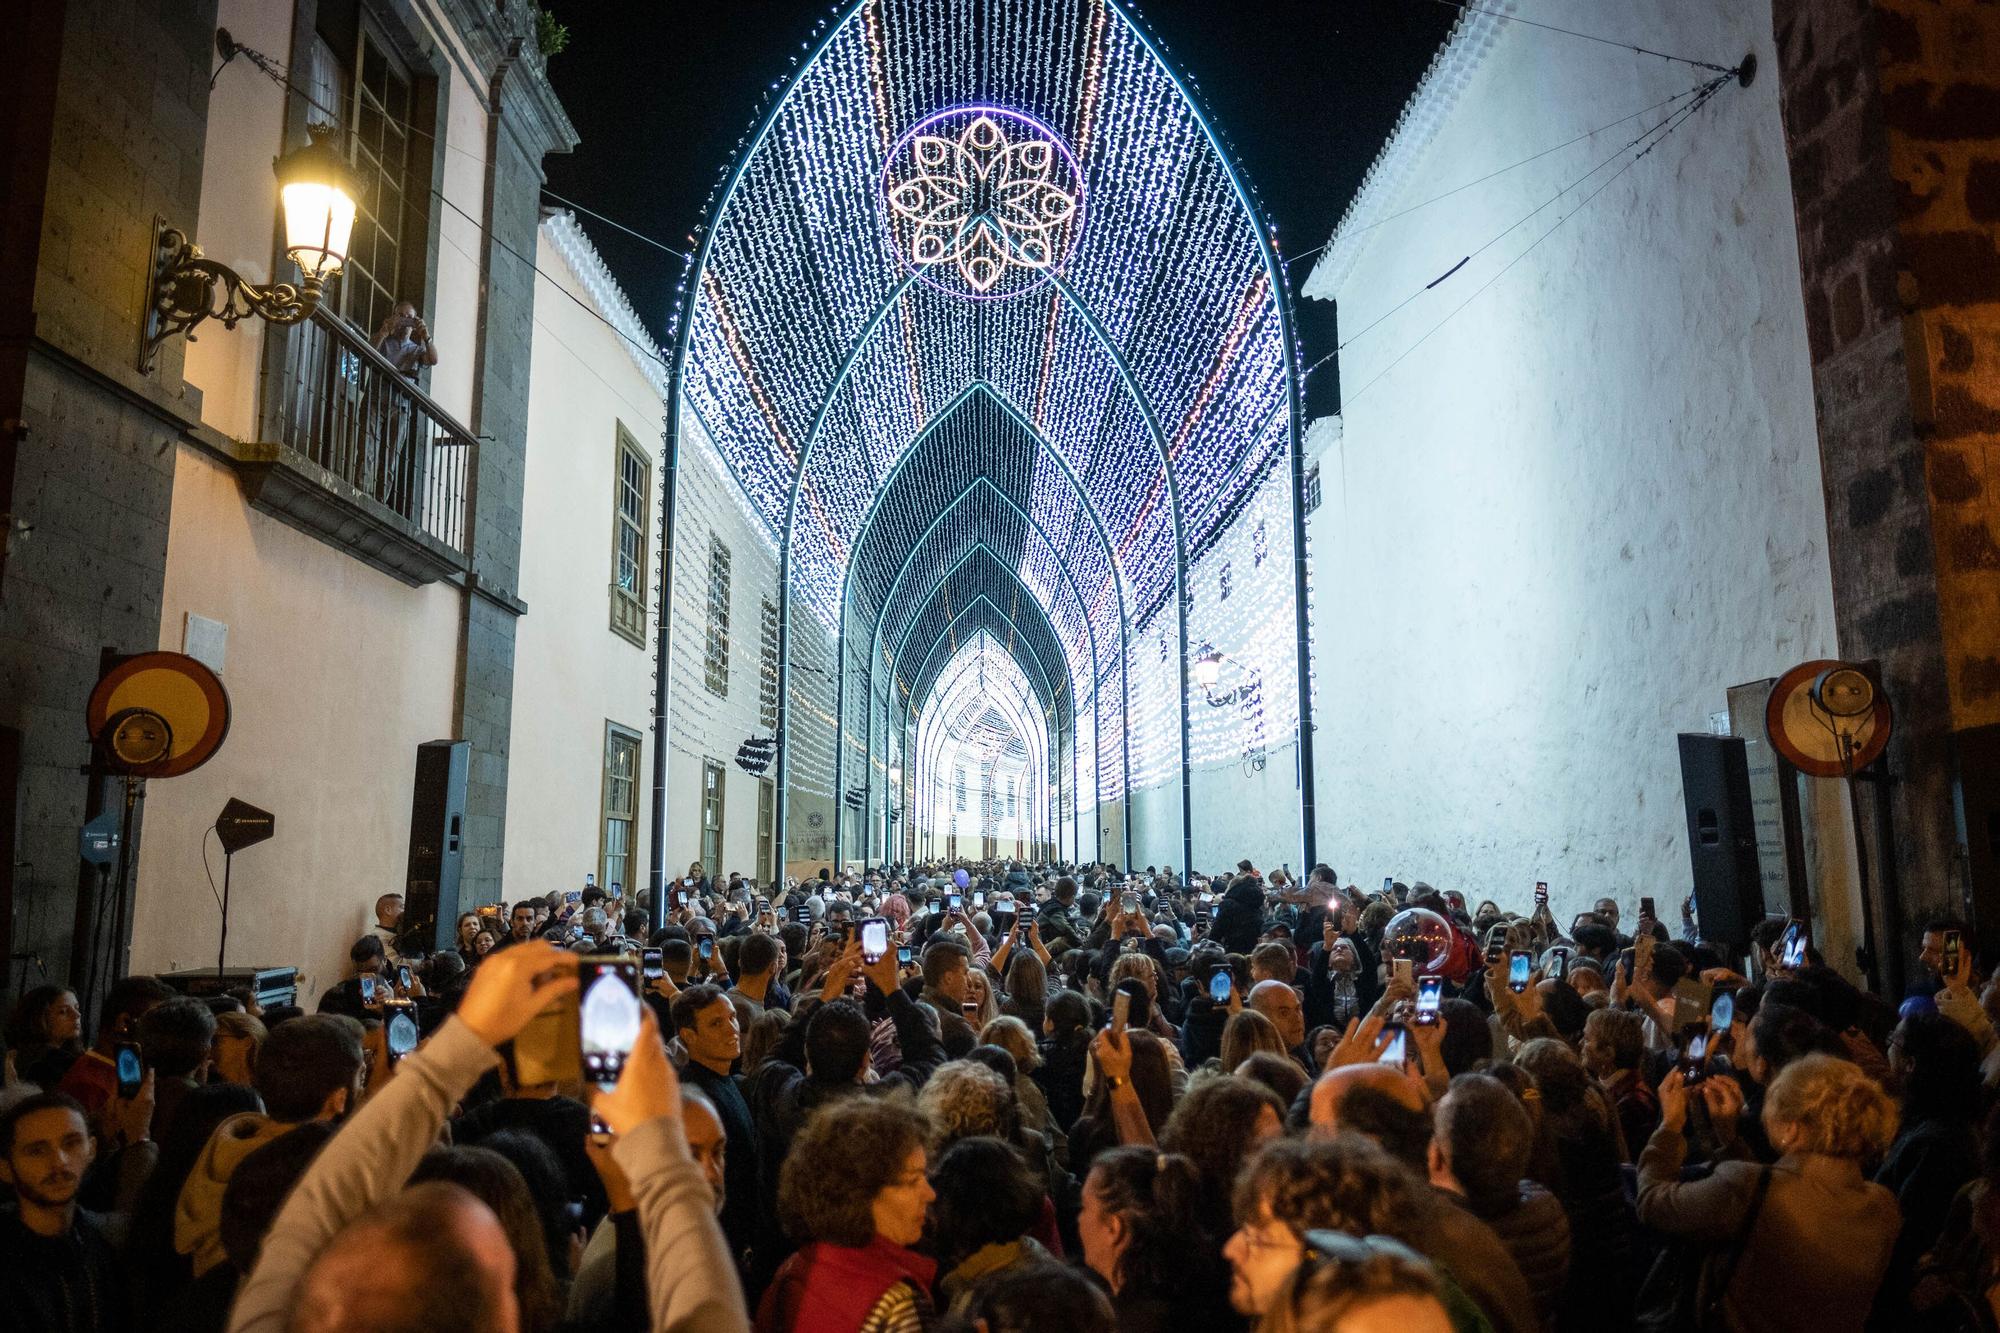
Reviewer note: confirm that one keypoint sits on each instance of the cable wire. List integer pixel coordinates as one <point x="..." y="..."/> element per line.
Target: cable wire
<point x="1470" y="9"/>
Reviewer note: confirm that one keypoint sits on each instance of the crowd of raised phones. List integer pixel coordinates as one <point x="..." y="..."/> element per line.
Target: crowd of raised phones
<point x="1014" y="1099"/>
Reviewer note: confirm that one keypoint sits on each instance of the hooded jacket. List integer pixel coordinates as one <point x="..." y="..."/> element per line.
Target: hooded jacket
<point x="198" y="1214"/>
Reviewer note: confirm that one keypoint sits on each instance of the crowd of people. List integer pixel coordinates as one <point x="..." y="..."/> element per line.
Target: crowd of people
<point x="1012" y="1098"/>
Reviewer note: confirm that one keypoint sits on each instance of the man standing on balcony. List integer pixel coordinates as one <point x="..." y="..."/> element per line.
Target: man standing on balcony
<point x="405" y="341"/>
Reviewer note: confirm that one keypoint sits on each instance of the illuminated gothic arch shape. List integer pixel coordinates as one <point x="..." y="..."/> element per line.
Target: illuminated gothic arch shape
<point x="981" y="683"/>
<point x="1018" y="194"/>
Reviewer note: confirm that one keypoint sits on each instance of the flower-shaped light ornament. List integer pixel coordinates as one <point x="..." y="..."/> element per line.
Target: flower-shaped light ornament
<point x="988" y="197"/>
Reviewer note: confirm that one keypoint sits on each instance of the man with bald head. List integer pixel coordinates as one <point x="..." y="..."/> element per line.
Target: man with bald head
<point x="432" y="1257"/>
<point x="1280" y="1003"/>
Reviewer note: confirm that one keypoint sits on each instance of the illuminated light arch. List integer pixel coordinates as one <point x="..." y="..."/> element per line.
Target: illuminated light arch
<point x="965" y="695"/>
<point x="984" y="485"/>
<point x="1130" y="310"/>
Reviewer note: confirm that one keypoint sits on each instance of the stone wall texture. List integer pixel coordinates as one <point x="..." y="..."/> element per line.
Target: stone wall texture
<point x="1892" y="116"/>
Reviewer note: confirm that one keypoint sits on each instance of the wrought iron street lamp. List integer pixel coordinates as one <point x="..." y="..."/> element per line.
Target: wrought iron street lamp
<point x="318" y="195"/>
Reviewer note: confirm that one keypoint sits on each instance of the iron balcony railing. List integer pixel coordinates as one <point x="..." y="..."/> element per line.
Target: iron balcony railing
<point x="348" y="409"/>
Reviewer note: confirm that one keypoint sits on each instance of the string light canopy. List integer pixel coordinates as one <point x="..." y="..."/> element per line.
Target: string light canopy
<point x="998" y="243"/>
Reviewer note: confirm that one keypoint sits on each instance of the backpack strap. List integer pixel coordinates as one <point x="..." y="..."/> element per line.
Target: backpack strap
<point x="1726" y="1260"/>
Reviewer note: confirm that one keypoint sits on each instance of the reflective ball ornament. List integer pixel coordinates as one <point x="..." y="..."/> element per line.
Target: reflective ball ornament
<point x="960" y="878"/>
<point x="1420" y="935"/>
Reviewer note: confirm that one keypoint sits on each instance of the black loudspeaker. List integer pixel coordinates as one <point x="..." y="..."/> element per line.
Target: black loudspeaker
<point x="1722" y="838"/>
<point x="437" y="841"/>
<point x="1317" y="324"/>
<point x="1978" y="812"/>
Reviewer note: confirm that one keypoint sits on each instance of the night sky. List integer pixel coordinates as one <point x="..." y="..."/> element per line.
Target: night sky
<point x="660" y="90"/>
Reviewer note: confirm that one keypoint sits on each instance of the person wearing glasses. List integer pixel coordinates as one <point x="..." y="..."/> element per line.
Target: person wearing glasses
<point x="1370" y="1215"/>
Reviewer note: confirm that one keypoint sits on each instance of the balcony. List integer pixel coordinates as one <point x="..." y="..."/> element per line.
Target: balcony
<point x="362" y="458"/>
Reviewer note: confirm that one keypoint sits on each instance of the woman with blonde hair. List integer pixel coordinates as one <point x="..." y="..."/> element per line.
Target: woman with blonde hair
<point x="1802" y="1244"/>
<point x="238" y="1038"/>
<point x="1011" y="1035"/>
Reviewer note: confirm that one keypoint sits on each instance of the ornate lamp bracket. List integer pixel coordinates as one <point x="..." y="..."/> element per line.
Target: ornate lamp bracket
<point x="189" y="288"/>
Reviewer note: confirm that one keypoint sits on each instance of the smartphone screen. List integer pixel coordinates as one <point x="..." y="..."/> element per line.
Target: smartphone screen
<point x="1518" y="968"/>
<point x="1792" y="949"/>
<point x="1397" y="1051"/>
<point x="1388" y="883"/>
<point x="1541" y="893"/>
<point x="1121" y="1010"/>
<point x="1722" y="1013"/>
<point x="706" y="947"/>
<point x="403" y="976"/>
<point x="607" y="1012"/>
<point x="979" y="898"/>
<point x="953" y="902"/>
<point x="903" y="956"/>
<point x="1694" y="1062"/>
<point x="1430" y="990"/>
<point x="650" y="964"/>
<point x="1128" y="901"/>
<point x="573" y="896"/>
<point x="368" y="989"/>
<point x="131" y="1070"/>
<point x="399" y="1028"/>
<point x="1561" y="962"/>
<point x="1951" y="951"/>
<point x="1219" y="986"/>
<point x="874" y="939"/>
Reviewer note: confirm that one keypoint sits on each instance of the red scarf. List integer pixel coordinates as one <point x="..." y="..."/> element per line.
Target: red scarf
<point x="831" y="1288"/>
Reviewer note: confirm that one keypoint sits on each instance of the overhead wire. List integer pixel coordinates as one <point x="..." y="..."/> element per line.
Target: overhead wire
<point x="1470" y="9"/>
<point x="1679" y="118"/>
<point x="1643" y="143"/>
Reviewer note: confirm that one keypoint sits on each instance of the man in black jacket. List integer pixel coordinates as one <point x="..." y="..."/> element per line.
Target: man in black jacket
<point x="1060" y="927"/>
<point x="1239" y="917"/>
<point x="57" y="1270"/>
<point x="705" y="1020"/>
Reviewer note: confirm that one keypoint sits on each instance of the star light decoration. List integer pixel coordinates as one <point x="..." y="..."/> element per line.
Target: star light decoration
<point x="984" y="201"/>
<point x="1145" y="346"/>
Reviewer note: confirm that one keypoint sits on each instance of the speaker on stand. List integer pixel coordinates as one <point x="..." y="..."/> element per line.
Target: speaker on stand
<point x="240" y="825"/>
<point x="1722" y="839"/>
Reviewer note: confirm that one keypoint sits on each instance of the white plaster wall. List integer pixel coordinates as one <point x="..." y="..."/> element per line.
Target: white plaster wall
<point x="572" y="673"/>
<point x="336" y="674"/>
<point x="701" y="724"/>
<point x="1561" y="525"/>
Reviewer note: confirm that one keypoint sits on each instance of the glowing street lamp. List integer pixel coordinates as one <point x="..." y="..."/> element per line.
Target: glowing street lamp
<point x="318" y="195"/>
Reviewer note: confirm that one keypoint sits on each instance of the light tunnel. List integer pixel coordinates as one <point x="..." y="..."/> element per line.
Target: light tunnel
<point x="984" y="330"/>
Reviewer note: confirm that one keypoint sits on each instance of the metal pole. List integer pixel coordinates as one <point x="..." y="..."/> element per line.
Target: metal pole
<point x="656" y="878"/>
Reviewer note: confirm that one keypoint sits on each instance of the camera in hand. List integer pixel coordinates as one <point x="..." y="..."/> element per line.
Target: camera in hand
<point x="1397" y="1050"/>
<point x="1430" y="991"/>
<point x="131" y="1069"/>
<point x="903" y="956"/>
<point x="608" y="1015"/>
<point x="650" y="963"/>
<point x="1519" y="966"/>
<point x="1220" y="984"/>
<point x="399" y="1028"/>
<point x="874" y="940"/>
<point x="1694" y="1058"/>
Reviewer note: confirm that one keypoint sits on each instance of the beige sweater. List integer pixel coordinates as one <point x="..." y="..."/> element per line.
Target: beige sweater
<point x="690" y="1282"/>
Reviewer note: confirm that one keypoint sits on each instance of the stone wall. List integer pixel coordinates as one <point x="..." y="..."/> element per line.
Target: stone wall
<point x="1892" y="116"/>
<point x="94" y="473"/>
